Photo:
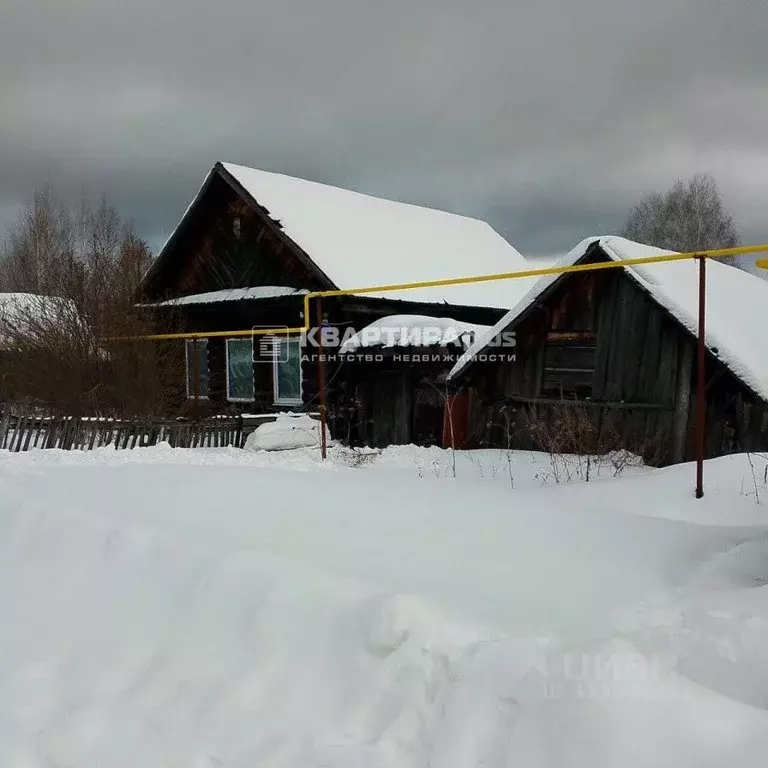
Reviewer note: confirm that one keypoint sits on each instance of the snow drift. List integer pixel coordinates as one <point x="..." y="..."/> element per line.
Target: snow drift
<point x="217" y="608"/>
<point x="286" y="432"/>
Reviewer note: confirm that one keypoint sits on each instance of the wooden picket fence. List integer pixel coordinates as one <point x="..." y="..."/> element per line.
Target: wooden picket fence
<point x="22" y="433"/>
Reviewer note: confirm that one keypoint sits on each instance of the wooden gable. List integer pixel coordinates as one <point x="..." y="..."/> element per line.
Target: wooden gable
<point x="226" y="240"/>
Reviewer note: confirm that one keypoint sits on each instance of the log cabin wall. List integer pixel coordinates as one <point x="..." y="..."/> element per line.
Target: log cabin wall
<point x="383" y="391"/>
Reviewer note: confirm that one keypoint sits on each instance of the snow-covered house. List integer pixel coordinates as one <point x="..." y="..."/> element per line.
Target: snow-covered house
<point x="252" y="243"/>
<point x="619" y="344"/>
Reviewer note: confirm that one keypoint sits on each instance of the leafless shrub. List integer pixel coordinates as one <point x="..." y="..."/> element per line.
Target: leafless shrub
<point x="756" y="482"/>
<point x="508" y="419"/>
<point x="448" y="400"/>
<point x="582" y="445"/>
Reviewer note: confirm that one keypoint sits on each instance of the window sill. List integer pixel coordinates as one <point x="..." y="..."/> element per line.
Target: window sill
<point x="288" y="402"/>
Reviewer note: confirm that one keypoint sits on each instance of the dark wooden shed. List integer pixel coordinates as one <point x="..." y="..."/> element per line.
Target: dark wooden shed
<point x="607" y="358"/>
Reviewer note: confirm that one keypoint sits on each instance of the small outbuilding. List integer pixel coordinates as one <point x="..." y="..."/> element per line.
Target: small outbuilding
<point x="394" y="386"/>
<point x="607" y="359"/>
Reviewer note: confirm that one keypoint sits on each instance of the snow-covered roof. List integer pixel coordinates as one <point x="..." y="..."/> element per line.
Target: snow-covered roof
<point x="357" y="240"/>
<point x="232" y="294"/>
<point x="737" y="306"/>
<point x="413" y="331"/>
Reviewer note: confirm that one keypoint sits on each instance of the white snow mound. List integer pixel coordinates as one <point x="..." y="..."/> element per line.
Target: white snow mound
<point x="287" y="432"/>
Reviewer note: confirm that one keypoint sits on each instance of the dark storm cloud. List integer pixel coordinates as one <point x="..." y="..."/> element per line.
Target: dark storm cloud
<point x="548" y="117"/>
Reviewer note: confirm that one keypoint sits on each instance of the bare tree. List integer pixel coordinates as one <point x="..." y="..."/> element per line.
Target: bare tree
<point x="688" y="217"/>
<point x="69" y="277"/>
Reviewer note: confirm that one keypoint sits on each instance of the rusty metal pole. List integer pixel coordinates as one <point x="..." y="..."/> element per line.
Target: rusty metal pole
<point x="700" y="378"/>
<point x="195" y="377"/>
<point x="321" y="378"/>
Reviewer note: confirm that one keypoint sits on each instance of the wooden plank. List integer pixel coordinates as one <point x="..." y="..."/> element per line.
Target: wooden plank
<point x="4" y="425"/>
<point x="39" y="426"/>
<point x="50" y="438"/>
<point x="77" y="433"/>
<point x="622" y="352"/>
<point x="61" y="432"/>
<point x="577" y="336"/>
<point x="567" y="402"/>
<point x="94" y="432"/>
<point x="66" y="428"/>
<point x="31" y="429"/>
<point x="568" y="355"/>
<point x="648" y="373"/>
<point x="72" y="433"/>
<point x="682" y="403"/>
<point x="606" y="328"/>
<point x="21" y="425"/>
<point x="635" y="343"/>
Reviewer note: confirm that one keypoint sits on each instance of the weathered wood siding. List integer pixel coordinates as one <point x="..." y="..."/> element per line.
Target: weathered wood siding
<point x="598" y="342"/>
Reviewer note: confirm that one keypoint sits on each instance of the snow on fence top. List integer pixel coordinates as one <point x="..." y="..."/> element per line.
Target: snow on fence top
<point x="232" y="294"/>
<point x="414" y="331"/>
<point x="737" y="305"/>
<point x="360" y="241"/>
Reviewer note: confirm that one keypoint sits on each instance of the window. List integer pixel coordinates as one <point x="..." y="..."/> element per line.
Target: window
<point x="197" y="366"/>
<point x="287" y="372"/>
<point x="240" y="370"/>
<point x="569" y="364"/>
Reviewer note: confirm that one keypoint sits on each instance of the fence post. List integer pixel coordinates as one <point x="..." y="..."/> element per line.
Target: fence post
<point x="5" y="424"/>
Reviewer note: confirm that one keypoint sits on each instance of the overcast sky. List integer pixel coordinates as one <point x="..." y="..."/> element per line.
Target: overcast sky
<point x="547" y="117"/>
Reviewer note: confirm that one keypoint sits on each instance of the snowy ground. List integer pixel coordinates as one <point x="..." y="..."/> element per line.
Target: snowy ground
<point x="192" y="609"/>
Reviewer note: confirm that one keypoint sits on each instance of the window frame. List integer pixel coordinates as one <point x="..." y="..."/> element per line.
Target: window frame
<point x="231" y="399"/>
<point x="287" y="401"/>
<point x="563" y="340"/>
<point x="190" y="393"/>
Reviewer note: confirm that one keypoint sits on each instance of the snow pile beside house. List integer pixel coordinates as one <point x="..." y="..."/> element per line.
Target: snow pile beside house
<point x="413" y="331"/>
<point x="287" y="432"/>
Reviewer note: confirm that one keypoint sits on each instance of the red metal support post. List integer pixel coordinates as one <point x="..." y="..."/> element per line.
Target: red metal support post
<point x="321" y="378"/>
<point x="701" y="378"/>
